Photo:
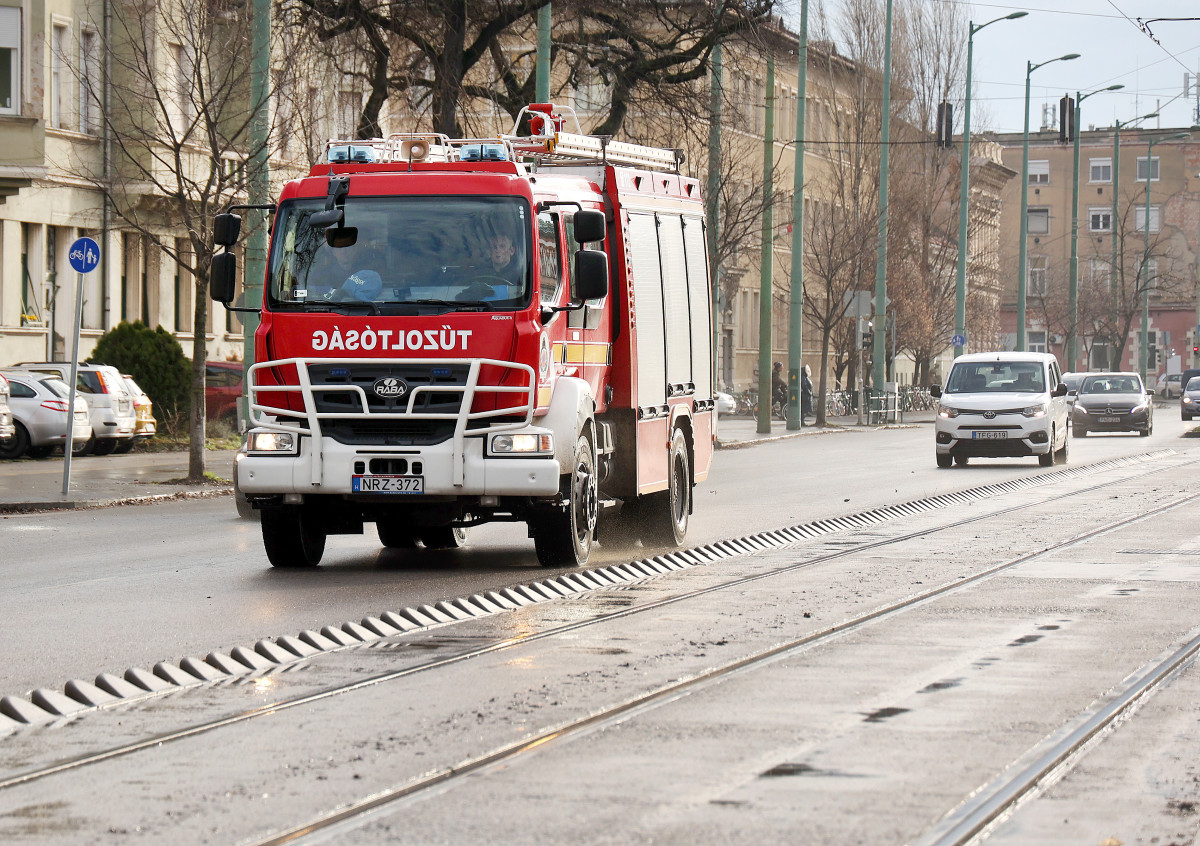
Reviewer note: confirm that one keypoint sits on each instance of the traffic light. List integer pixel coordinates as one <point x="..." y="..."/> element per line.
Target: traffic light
<point x="945" y="125"/>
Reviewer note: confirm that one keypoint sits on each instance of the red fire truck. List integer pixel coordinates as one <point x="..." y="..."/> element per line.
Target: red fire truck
<point x="440" y="345"/>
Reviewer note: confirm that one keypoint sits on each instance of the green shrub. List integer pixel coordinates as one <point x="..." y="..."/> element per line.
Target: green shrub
<point x="154" y="359"/>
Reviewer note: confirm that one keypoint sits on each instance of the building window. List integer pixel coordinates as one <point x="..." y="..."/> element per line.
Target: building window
<point x="1141" y="169"/>
<point x="1139" y="218"/>
<point x="89" y="82"/>
<point x="1100" y="170"/>
<point x="747" y="319"/>
<point x="1037" y="342"/>
<point x="1038" y="222"/>
<point x="1100" y="220"/>
<point x="1151" y="273"/>
<point x="58" y="76"/>
<point x="10" y="61"/>
<point x="1037" y="275"/>
<point x="592" y="94"/>
<point x="181" y="88"/>
<point x="1039" y="172"/>
<point x="1099" y="272"/>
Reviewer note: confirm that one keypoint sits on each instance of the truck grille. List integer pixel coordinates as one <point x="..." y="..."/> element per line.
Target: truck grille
<point x="389" y="432"/>
<point x="366" y="375"/>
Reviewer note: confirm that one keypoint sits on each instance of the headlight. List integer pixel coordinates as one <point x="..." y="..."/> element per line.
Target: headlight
<point x="522" y="444"/>
<point x="1034" y="411"/>
<point x="1188" y="400"/>
<point x="273" y="442"/>
<point x="947" y="411"/>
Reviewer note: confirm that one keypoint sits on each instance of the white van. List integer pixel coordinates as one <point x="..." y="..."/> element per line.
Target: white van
<point x="1002" y="405"/>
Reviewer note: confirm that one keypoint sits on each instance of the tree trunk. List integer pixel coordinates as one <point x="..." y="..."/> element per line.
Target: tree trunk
<point x="449" y="70"/>
<point x="196" y="416"/>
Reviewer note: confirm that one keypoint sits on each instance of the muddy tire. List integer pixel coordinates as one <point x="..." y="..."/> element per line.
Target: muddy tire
<point x="291" y="540"/>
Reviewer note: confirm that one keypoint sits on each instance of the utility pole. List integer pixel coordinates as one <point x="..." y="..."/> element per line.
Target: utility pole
<point x="541" y="82"/>
<point x="795" y="418"/>
<point x="259" y="188"/>
<point x="713" y="194"/>
<point x="765" y="285"/>
<point x="878" y="347"/>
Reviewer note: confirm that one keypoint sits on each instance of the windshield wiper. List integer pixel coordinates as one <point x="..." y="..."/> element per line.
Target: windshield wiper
<point x="458" y="305"/>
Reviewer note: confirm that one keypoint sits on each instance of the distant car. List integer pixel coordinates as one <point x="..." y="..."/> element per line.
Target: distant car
<point x="1168" y="385"/>
<point x="222" y="387"/>
<point x="1189" y="400"/>
<point x="726" y="404"/>
<point x="7" y="428"/>
<point x="39" y="408"/>
<point x="1113" y="402"/>
<point x="145" y="425"/>
<point x="113" y="416"/>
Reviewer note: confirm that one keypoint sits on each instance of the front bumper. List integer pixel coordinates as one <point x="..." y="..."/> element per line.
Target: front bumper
<point x="260" y="475"/>
<point x="1009" y="439"/>
<point x="1117" y="422"/>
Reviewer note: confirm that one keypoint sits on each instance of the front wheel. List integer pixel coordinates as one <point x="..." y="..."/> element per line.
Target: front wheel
<point x="395" y="536"/>
<point x="563" y="536"/>
<point x="664" y="516"/>
<point x="944" y="460"/>
<point x="15" y="446"/>
<point x="1061" y="456"/>
<point x="290" y="539"/>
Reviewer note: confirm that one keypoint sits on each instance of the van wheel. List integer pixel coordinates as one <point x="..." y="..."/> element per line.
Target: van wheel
<point x="442" y="537"/>
<point x="15" y="446"/>
<point x="563" y="536"/>
<point x="395" y="536"/>
<point x="290" y="539"/>
<point x="944" y="461"/>
<point x="1047" y="459"/>
<point x="1060" y="457"/>
<point x="664" y="516"/>
<point x="961" y="460"/>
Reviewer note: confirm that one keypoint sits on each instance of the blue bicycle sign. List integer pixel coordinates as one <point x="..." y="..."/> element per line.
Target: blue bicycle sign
<point x="84" y="255"/>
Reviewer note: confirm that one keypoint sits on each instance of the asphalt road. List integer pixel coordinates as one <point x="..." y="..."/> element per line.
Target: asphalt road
<point x="105" y="589"/>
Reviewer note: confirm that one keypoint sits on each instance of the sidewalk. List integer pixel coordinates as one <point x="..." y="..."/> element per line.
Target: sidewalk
<point x="736" y="431"/>
<point x="98" y="481"/>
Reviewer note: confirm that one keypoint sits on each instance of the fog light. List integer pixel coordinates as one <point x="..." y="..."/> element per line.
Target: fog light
<point x="536" y="444"/>
<point x="276" y="442"/>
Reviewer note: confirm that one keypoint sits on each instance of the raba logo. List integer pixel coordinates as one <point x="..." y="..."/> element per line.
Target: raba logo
<point x="390" y="387"/>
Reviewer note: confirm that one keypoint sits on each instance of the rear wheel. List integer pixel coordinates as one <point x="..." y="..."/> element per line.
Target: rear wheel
<point x="395" y="536"/>
<point x="664" y="516"/>
<point x="442" y="537"/>
<point x="291" y="540"/>
<point x="80" y="448"/>
<point x="124" y="446"/>
<point x="104" y="446"/>
<point x="15" y="446"/>
<point x="563" y="536"/>
<point x="944" y="460"/>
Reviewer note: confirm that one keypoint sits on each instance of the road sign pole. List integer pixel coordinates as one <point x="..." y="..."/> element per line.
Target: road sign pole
<point x="84" y="257"/>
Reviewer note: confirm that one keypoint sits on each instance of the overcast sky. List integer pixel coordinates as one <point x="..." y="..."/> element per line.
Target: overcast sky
<point x="1113" y="49"/>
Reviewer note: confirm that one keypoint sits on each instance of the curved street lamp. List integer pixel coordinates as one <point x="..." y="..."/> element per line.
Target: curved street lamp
<point x="1073" y="304"/>
<point x="960" y="285"/>
<point x="1022" y="270"/>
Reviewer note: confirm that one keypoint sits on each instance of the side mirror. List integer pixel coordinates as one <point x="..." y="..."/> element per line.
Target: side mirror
<point x="591" y="275"/>
<point x="1061" y="390"/>
<point x="226" y="229"/>
<point x="341" y="236"/>
<point x="222" y="277"/>
<point x="935" y="391"/>
<point x="325" y="219"/>
<point x="589" y="226"/>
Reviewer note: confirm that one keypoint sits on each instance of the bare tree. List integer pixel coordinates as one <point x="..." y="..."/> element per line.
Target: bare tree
<point x="178" y="119"/>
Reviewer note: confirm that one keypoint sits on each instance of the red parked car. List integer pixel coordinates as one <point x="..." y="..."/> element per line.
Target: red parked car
<point x="222" y="387"/>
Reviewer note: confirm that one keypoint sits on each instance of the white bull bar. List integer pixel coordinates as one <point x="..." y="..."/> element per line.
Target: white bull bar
<point x="261" y="411"/>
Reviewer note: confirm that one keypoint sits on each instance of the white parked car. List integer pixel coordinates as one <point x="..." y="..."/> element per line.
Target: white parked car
<point x="726" y="404"/>
<point x="7" y="429"/>
<point x="113" y="416"/>
<point x="1002" y="405"/>
<point x="39" y="406"/>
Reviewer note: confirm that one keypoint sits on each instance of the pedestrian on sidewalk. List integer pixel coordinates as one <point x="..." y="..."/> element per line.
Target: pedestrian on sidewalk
<point x="806" y="394"/>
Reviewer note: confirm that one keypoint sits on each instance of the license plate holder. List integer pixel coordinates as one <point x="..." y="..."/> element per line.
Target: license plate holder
<point x="989" y="435"/>
<point x="388" y="484"/>
<point x="1108" y="419"/>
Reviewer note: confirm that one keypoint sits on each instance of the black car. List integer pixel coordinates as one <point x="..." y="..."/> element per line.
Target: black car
<point x="1112" y="402"/>
<point x="1189" y="400"/>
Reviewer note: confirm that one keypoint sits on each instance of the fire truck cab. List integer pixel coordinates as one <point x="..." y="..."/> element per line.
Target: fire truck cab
<point x="460" y="331"/>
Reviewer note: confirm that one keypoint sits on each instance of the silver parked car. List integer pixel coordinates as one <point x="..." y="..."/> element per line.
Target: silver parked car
<point x="7" y="429"/>
<point x="39" y="407"/>
<point x="113" y="415"/>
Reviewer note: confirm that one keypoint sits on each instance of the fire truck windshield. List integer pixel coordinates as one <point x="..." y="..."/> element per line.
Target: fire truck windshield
<point x="412" y="255"/>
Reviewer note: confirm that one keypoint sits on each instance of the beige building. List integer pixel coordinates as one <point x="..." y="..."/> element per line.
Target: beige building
<point x="1109" y="294"/>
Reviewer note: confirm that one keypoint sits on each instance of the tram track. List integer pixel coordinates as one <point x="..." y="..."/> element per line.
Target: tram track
<point x="965" y="823"/>
<point x="647" y="700"/>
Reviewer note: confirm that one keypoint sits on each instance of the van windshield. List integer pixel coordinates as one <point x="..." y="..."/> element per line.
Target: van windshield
<point x="412" y="255"/>
<point x="978" y="377"/>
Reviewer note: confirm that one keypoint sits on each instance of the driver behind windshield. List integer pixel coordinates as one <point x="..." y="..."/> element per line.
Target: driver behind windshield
<point x="501" y="275"/>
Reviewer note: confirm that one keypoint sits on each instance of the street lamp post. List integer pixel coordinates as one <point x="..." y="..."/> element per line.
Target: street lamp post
<point x="1073" y="305"/>
<point x="1114" y="276"/>
<point x="1022" y="270"/>
<point x="1143" y="278"/>
<point x="960" y="285"/>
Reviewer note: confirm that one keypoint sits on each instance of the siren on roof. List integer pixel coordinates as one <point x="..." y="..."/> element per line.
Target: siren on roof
<point x="414" y="150"/>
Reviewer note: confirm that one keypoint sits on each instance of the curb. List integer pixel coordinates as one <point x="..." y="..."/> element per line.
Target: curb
<point x="81" y="504"/>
